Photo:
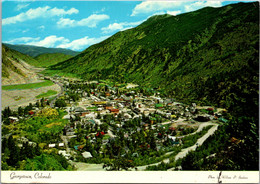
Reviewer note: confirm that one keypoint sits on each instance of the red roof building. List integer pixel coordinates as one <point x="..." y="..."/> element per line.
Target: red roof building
<point x="31" y="112"/>
<point x="114" y="110"/>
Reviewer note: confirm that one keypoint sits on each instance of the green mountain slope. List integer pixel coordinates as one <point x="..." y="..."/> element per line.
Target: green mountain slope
<point x="190" y="55"/>
<point x="46" y="60"/>
<point x="34" y="51"/>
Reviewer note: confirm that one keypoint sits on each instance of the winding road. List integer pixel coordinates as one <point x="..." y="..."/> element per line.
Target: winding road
<point x="185" y="151"/>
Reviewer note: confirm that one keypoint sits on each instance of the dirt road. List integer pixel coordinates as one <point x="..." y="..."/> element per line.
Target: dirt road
<point x="81" y="166"/>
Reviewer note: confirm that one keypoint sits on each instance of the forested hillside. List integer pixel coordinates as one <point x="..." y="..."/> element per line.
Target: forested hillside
<point x="194" y="56"/>
<point x="46" y="60"/>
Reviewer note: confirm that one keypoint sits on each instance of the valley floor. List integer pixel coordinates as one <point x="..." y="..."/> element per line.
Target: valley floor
<point x="16" y="98"/>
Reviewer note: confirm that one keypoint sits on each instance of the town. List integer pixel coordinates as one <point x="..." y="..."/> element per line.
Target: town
<point x="102" y="125"/>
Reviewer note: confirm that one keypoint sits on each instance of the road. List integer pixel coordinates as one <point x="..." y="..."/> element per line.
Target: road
<point x="65" y="141"/>
<point x="185" y="151"/>
<point x="81" y="166"/>
<point x="61" y="92"/>
<point x="199" y="142"/>
<point x="201" y="126"/>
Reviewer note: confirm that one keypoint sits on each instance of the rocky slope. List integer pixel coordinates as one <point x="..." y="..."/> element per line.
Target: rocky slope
<point x="15" y="67"/>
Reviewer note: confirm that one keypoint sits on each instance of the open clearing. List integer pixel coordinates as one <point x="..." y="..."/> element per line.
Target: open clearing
<point x="47" y="94"/>
<point x="27" y="86"/>
<point x="22" y="97"/>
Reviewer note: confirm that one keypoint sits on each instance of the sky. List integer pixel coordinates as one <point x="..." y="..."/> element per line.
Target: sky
<point x="76" y="25"/>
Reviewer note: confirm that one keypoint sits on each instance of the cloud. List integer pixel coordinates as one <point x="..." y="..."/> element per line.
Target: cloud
<point x="58" y="42"/>
<point x="154" y="6"/>
<point x="119" y="26"/>
<point x="26" y="30"/>
<point x="49" y="41"/>
<point x="21" y="6"/>
<point x="200" y="4"/>
<point x="82" y="43"/>
<point x="91" y="21"/>
<point x="171" y="7"/>
<point x="38" y="12"/>
<point x="22" y="40"/>
<point x="41" y="27"/>
<point x="174" y="13"/>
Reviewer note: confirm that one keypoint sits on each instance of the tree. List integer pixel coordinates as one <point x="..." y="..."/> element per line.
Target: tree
<point x="120" y="163"/>
<point x="37" y="104"/>
<point x="60" y="103"/>
<point x="7" y="112"/>
<point x="20" y="111"/>
<point x="14" y="152"/>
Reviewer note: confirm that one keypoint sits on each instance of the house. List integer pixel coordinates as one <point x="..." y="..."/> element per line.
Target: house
<point x="79" y="109"/>
<point x="109" y="107"/>
<point x="52" y="145"/>
<point x="69" y="116"/>
<point x="84" y="113"/>
<point x="79" y="147"/>
<point x="114" y="110"/>
<point x="172" y="139"/>
<point x="86" y="154"/>
<point x="64" y="153"/>
<point x="120" y="105"/>
<point x="31" y="112"/>
<point x="13" y="119"/>
<point x="61" y="144"/>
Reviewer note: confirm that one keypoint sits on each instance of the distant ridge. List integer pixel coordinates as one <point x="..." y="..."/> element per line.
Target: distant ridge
<point x="34" y="51"/>
<point x="49" y="59"/>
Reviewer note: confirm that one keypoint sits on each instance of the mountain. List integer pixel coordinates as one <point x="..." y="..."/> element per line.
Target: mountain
<point x="17" y="67"/>
<point x="46" y="60"/>
<point x="34" y="51"/>
<point x="209" y="56"/>
<point x="194" y="56"/>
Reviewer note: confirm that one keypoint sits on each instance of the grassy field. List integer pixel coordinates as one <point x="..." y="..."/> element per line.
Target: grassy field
<point x="48" y="93"/>
<point x="27" y="86"/>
